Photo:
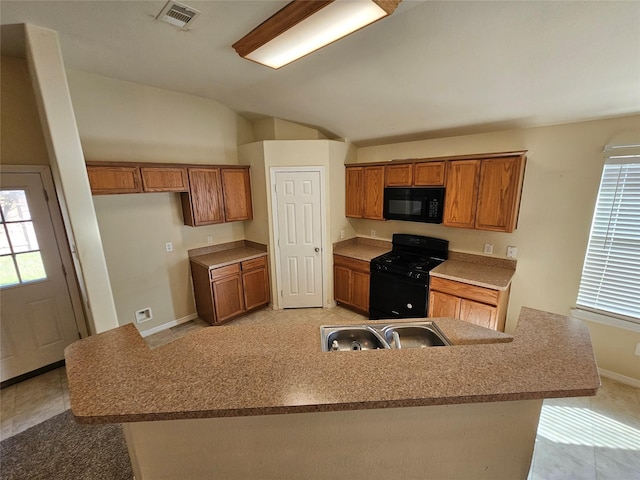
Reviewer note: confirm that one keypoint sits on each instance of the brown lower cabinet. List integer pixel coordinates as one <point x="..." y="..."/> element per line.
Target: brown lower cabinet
<point x="482" y="306"/>
<point x="351" y="283"/>
<point x="228" y="292"/>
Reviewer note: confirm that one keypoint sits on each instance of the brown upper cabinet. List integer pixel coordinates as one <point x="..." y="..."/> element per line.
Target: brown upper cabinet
<point x="414" y="174"/>
<point x="236" y="194"/>
<point x="217" y="195"/>
<point x="400" y="175"/>
<point x="365" y="191"/>
<point x="164" y="179"/>
<point x="429" y="174"/>
<point x="482" y="190"/>
<point x="111" y="179"/>
<point x="202" y="204"/>
<point x="210" y="194"/>
<point x="499" y="193"/>
<point x="484" y="193"/>
<point x="461" y="193"/>
<point x="114" y="178"/>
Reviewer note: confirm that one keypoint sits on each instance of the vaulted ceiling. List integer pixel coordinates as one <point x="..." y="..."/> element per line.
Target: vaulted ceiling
<point x="433" y="68"/>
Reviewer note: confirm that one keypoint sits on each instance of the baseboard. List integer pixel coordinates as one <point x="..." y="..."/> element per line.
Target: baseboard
<point x="632" y="382"/>
<point x="173" y="323"/>
<point x="34" y="373"/>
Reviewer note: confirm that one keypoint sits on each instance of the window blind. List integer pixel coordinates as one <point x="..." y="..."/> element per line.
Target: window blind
<point x="610" y="282"/>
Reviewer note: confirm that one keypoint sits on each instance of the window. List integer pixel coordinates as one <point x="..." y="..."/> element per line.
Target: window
<point x="20" y="259"/>
<point x="610" y="283"/>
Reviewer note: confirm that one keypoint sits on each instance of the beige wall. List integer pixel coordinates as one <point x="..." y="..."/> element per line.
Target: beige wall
<point x="560" y="188"/>
<point x="278" y="129"/>
<point x="328" y="154"/>
<point x="20" y="129"/>
<point x="123" y="121"/>
<point x="60" y="131"/>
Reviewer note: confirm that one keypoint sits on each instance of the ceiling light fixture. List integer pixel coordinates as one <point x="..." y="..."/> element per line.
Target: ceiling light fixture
<point x="304" y="26"/>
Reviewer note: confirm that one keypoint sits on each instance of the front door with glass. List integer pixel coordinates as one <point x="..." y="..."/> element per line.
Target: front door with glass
<point x="37" y="319"/>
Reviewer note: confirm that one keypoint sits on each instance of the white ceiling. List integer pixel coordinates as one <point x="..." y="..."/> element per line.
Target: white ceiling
<point x="430" y="69"/>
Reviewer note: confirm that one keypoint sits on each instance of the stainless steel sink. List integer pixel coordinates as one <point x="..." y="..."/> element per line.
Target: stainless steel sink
<point x="414" y="335"/>
<point x="351" y="337"/>
<point x="396" y="335"/>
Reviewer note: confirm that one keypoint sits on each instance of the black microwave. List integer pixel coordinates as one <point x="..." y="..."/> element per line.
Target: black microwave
<point x="414" y="204"/>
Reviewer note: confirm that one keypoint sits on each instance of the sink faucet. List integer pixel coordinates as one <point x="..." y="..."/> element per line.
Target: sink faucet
<point x="396" y="339"/>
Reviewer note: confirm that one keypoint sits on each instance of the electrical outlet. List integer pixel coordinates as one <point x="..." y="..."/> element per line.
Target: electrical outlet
<point x="342" y="234"/>
<point x="637" y="352"/>
<point x="488" y="249"/>
<point x="373" y="232"/>
<point x="209" y="239"/>
<point x="512" y="252"/>
<point x="169" y="246"/>
<point x="144" y="315"/>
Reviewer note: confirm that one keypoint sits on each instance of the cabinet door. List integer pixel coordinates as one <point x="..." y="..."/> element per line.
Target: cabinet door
<point x="428" y="174"/>
<point x="202" y="292"/>
<point x="398" y="175"/>
<point x="461" y="195"/>
<point x="360" y="291"/>
<point x="499" y="193"/>
<point x="106" y="180"/>
<point x="227" y="297"/>
<point x="164" y="179"/>
<point x="256" y="288"/>
<point x="478" y="313"/>
<point x="373" y="192"/>
<point x="443" y="305"/>
<point x="203" y="204"/>
<point x="342" y="284"/>
<point x="355" y="192"/>
<point x="236" y="188"/>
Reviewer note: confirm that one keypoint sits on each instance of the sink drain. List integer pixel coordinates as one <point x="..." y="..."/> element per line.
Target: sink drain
<point x="356" y="346"/>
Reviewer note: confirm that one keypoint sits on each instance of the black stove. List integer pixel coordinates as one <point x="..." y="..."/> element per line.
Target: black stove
<point x="399" y="285"/>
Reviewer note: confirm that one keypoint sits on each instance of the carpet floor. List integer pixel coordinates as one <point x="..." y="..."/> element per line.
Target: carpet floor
<point x="61" y="449"/>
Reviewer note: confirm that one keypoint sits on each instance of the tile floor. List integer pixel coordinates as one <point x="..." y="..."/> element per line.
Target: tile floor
<point x="584" y="438"/>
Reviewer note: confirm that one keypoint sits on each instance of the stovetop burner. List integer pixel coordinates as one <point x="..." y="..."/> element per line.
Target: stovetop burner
<point x="412" y="256"/>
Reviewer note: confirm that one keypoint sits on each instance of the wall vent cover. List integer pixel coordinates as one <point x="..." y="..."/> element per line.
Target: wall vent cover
<point x="177" y="14"/>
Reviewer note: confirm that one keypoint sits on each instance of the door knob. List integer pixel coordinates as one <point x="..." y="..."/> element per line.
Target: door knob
<point x="317" y="249"/>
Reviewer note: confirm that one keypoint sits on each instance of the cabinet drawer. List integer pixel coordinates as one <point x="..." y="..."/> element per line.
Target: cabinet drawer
<point x="254" y="263"/>
<point x="224" y="271"/>
<point x="352" y="263"/>
<point x="464" y="290"/>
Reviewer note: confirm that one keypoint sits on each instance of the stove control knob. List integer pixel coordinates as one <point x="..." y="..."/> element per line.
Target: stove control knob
<point x="409" y="306"/>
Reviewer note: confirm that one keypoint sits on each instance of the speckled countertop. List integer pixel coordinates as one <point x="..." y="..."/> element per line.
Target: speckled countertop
<point x="362" y="248"/>
<point x="479" y="270"/>
<point x="226" y="254"/>
<point x="483" y="271"/>
<point x="273" y="369"/>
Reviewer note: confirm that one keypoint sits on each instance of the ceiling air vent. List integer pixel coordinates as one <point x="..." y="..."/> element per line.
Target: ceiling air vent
<point x="178" y="14"/>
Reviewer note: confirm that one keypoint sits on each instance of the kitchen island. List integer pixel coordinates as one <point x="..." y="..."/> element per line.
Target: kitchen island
<point x="264" y="401"/>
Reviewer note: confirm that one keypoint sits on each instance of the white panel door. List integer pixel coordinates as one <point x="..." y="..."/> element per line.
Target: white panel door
<point x="37" y="320"/>
<point x="299" y="236"/>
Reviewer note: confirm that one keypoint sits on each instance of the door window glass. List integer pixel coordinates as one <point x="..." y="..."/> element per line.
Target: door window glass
<point x="20" y="258"/>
